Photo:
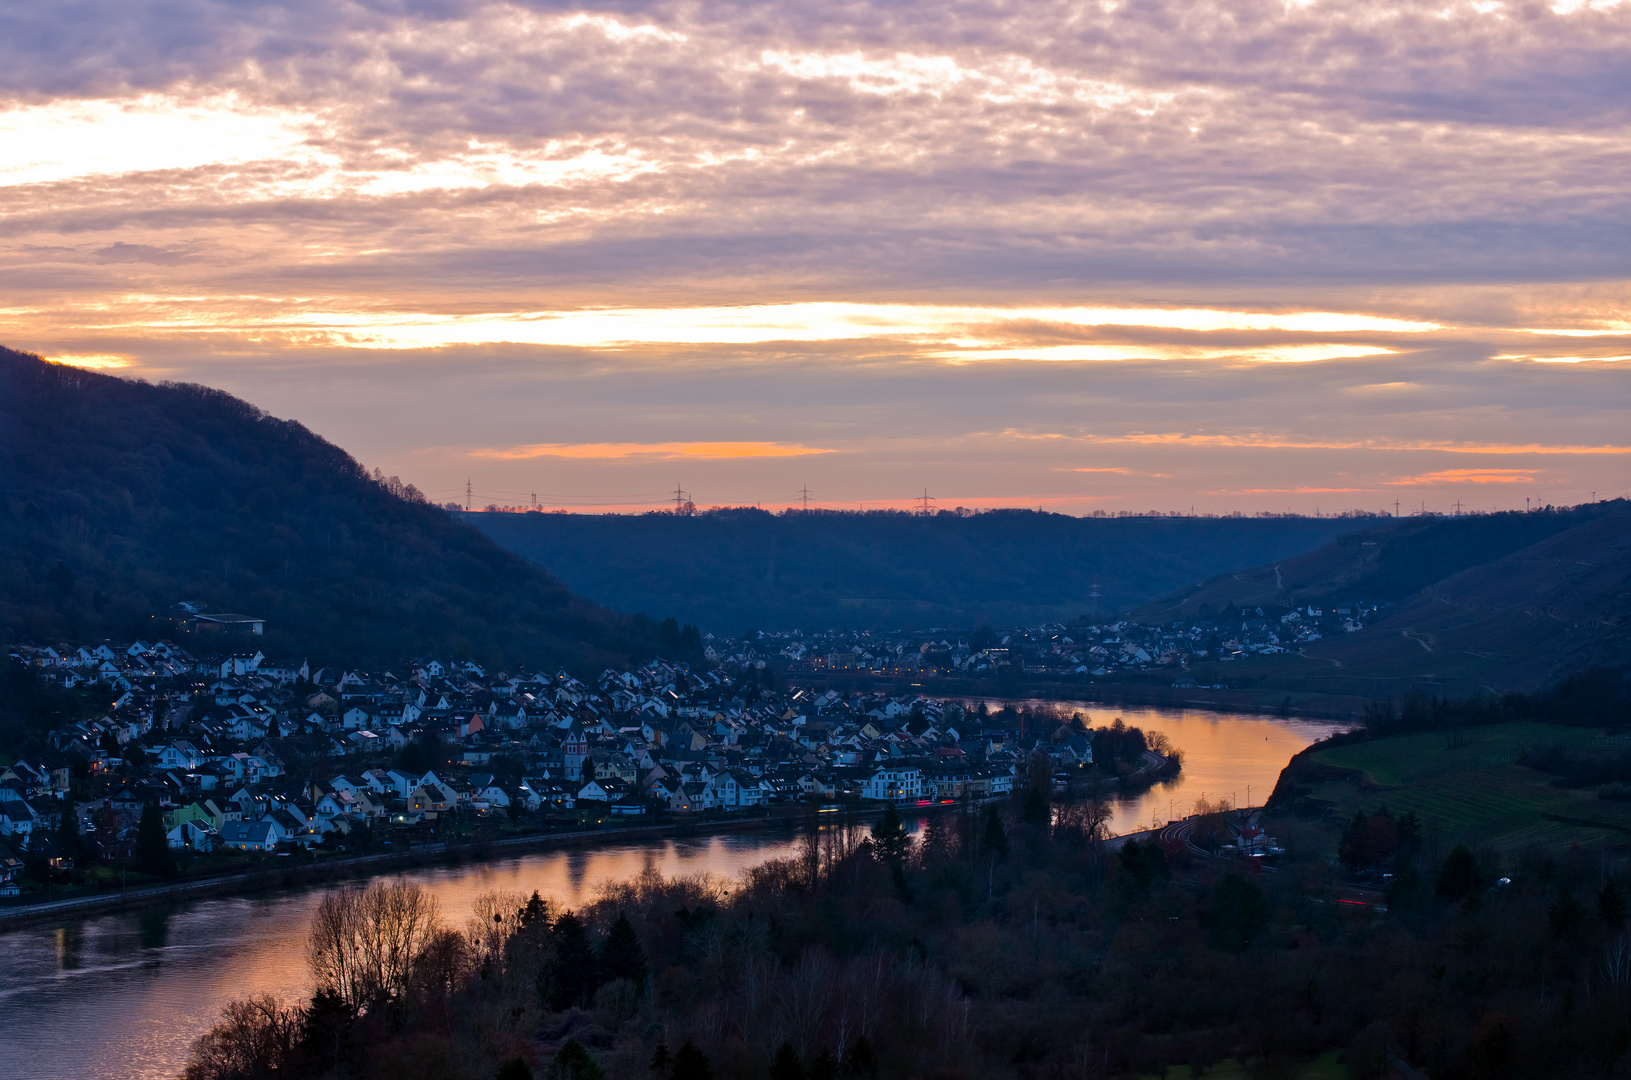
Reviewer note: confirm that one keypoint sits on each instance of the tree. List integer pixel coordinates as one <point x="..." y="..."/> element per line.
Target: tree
<point x="70" y="844"/>
<point x="1035" y="808"/>
<point x="993" y="837"/>
<point x="515" y="1068"/>
<point x="691" y="1063"/>
<point x="571" y="978"/>
<point x="890" y="835"/>
<point x="364" y="942"/>
<point x="939" y="839"/>
<point x="255" y="1037"/>
<point x="786" y="1065"/>
<point x="621" y="956"/>
<point x="1458" y="877"/>
<point x="152" y="846"/>
<point x="573" y="1062"/>
<point x="1236" y="914"/>
<point x="861" y="1060"/>
<point x="325" y="1025"/>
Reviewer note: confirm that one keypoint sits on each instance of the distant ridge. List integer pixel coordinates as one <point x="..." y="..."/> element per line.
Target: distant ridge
<point x="123" y="498"/>
<point x="734" y="569"/>
<point x="1497" y="602"/>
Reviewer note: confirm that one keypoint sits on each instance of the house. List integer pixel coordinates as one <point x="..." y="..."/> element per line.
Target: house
<point x="11" y="872"/>
<point x="737" y="789"/>
<point x="262" y="835"/>
<point x="193" y="836"/>
<point x="894" y="783"/>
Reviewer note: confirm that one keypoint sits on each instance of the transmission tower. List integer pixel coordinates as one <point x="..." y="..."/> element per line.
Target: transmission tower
<point x="467" y="494"/>
<point x="1093" y="595"/>
<point x="804" y="494"/>
<point x="682" y="501"/>
<point x="923" y="502"/>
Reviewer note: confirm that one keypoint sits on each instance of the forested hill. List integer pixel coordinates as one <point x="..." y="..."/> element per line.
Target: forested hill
<point x="123" y="498"/>
<point x="1385" y="563"/>
<point x="734" y="569"/>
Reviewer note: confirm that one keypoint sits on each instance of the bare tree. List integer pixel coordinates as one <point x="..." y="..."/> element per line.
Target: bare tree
<point x="253" y="1038"/>
<point x="494" y="919"/>
<point x="364" y="942"/>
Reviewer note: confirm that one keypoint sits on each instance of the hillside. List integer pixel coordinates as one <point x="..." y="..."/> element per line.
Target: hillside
<point x="1521" y="601"/>
<point x="1382" y="564"/>
<point x="730" y="570"/>
<point x="1550" y="609"/>
<point x="123" y="498"/>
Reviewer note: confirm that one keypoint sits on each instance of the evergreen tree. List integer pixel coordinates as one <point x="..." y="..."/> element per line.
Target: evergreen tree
<point x="890" y="836"/>
<point x="535" y="911"/>
<point x="661" y="1059"/>
<point x="515" y="1068"/>
<point x="152" y="847"/>
<point x="1458" y="877"/>
<point x="571" y="978"/>
<point x="621" y="956"/>
<point x="861" y="1060"/>
<point x="573" y="1062"/>
<point x="994" y="838"/>
<point x="70" y="844"/>
<point x="1038" y="790"/>
<point x="939" y="839"/>
<point x="785" y="1065"/>
<point x="692" y="1064"/>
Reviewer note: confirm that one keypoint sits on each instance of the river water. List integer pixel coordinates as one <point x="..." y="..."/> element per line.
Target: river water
<point x="122" y="997"/>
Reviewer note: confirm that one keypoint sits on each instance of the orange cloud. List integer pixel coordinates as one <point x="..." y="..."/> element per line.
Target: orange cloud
<point x="1468" y="476"/>
<point x="665" y="450"/>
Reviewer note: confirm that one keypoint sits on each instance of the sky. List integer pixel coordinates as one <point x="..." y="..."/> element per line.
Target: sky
<point x="1164" y="255"/>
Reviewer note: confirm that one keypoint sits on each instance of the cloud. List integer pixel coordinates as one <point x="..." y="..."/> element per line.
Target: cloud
<point x="881" y="227"/>
<point x="1468" y="476"/>
<point x="670" y="451"/>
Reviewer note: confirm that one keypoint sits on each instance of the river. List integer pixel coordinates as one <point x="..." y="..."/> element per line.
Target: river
<point x="121" y="997"/>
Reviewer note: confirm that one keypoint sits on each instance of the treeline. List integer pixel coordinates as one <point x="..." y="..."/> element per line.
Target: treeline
<point x="1600" y="697"/>
<point x="123" y="498"/>
<point x="1011" y="942"/>
<point x="733" y="569"/>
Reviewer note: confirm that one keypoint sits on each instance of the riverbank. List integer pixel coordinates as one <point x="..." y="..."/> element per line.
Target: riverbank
<point x="289" y="871"/>
<point x="293" y="871"/>
<point x="1256" y="700"/>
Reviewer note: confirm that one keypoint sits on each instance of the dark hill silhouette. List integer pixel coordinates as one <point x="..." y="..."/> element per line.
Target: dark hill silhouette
<point x="1383" y="564"/>
<point x="1525" y="620"/>
<point x="733" y="569"/>
<point x="123" y="498"/>
<point x="1503" y="602"/>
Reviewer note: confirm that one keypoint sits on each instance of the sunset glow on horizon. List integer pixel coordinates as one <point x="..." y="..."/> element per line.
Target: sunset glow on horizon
<point x="1127" y="257"/>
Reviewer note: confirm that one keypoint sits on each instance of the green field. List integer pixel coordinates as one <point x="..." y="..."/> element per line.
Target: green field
<point x="1468" y="787"/>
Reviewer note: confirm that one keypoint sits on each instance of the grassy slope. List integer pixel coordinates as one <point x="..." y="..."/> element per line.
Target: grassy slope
<point x="1471" y="785"/>
<point x="728" y="571"/>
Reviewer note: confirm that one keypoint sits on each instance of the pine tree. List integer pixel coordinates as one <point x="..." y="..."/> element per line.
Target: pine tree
<point x="571" y="979"/>
<point x="939" y="839"/>
<point x="70" y="845"/>
<point x="692" y="1064"/>
<point x="994" y="838"/>
<point x="621" y="956"/>
<point x="573" y="1062"/>
<point x="786" y="1064"/>
<point x="152" y="846"/>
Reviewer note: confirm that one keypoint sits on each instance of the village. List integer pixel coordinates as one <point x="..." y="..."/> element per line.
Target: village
<point x="239" y="754"/>
<point x="1079" y="652"/>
